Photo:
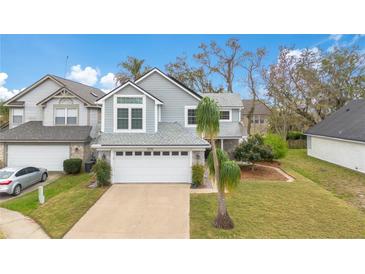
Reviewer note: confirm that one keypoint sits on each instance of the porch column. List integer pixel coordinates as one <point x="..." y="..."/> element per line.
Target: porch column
<point x="222" y="144"/>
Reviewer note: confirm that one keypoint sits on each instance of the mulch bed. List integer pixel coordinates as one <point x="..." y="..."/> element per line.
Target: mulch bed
<point x="261" y="173"/>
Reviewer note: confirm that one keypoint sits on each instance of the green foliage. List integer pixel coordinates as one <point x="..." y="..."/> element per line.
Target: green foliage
<point x="198" y="174"/>
<point x="222" y="157"/>
<point x="230" y="175"/>
<point x="4" y="113"/>
<point x="278" y="145"/>
<point x="207" y="117"/>
<point x="72" y="166"/>
<point x="253" y="150"/>
<point x="102" y="171"/>
<point x="295" y="135"/>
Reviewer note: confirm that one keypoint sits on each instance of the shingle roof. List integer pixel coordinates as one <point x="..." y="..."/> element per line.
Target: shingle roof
<point x="231" y="130"/>
<point x="346" y="123"/>
<point x="81" y="90"/>
<point x="35" y="131"/>
<point x="260" y="107"/>
<point x="168" y="134"/>
<point x="226" y="99"/>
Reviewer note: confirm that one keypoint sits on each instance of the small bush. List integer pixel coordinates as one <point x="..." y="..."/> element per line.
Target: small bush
<point x="278" y="145"/>
<point x="253" y="150"/>
<point x="295" y="135"/>
<point x="72" y="166"/>
<point x="198" y="175"/>
<point x="102" y="172"/>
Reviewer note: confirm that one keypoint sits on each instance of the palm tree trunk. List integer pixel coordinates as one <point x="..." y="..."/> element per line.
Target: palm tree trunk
<point x="223" y="220"/>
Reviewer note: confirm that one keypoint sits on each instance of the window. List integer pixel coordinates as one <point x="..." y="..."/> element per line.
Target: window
<point x="190" y="116"/>
<point x="225" y="115"/>
<point x="184" y="153"/>
<point x="156" y="153"/>
<point x="119" y="153"/>
<point x="166" y="153"/>
<point x="66" y="116"/>
<point x="262" y="120"/>
<point x="175" y="153"/>
<point x="130" y="113"/>
<point x="130" y="100"/>
<point x="21" y="172"/>
<point x="257" y="119"/>
<point x="147" y="153"/>
<point x="122" y="118"/>
<point x="128" y="153"/>
<point x="138" y="153"/>
<point x="136" y="118"/>
<point x="17" y="115"/>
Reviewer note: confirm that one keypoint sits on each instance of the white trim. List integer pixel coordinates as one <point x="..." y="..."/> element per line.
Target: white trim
<point x="103" y="117"/>
<point x="339" y="139"/>
<point x="123" y="86"/>
<point x="222" y="144"/>
<point x="112" y="153"/>
<point x="66" y="108"/>
<point x="12" y="117"/>
<point x="230" y="115"/>
<point x="156" y="122"/>
<point x="186" y="115"/>
<point x="106" y="148"/>
<point x="129" y="107"/>
<point x="159" y="113"/>
<point x="169" y="79"/>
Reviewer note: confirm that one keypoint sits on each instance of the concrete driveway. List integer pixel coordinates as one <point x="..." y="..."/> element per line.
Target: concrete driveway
<point x="152" y="211"/>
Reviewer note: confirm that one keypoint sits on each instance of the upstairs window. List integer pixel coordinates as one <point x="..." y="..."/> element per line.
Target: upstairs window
<point x="225" y="115"/>
<point x="190" y="116"/>
<point x="18" y="116"/>
<point x="66" y="116"/>
<point x="130" y="113"/>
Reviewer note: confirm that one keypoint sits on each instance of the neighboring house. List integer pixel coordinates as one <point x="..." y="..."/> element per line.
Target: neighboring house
<point x="52" y="120"/>
<point x="149" y="130"/>
<point x="232" y="130"/>
<point x="340" y="138"/>
<point x="260" y="119"/>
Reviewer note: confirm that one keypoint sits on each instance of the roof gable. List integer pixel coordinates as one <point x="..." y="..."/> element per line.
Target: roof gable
<point x="126" y="84"/>
<point x="64" y="92"/>
<point x="170" y="79"/>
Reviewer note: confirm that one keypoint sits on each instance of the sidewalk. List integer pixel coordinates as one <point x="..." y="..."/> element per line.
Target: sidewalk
<point x="15" y="225"/>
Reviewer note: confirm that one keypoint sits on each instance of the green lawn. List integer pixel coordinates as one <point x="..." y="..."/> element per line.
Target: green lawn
<point x="344" y="183"/>
<point x="303" y="209"/>
<point x="67" y="200"/>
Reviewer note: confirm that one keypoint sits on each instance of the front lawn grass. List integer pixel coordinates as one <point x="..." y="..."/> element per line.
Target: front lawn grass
<point x="67" y="200"/>
<point x="267" y="209"/>
<point x="346" y="184"/>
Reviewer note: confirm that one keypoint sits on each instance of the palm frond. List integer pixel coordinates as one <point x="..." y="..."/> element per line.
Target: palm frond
<point x="207" y="118"/>
<point x="222" y="157"/>
<point x="230" y="175"/>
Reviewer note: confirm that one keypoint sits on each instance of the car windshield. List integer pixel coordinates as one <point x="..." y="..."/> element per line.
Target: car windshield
<point x="5" y="174"/>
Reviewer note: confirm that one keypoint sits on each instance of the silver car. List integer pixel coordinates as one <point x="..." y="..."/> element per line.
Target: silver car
<point x="14" y="180"/>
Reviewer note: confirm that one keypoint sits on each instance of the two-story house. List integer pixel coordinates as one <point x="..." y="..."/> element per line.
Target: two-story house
<point x="52" y="120"/>
<point x="145" y="129"/>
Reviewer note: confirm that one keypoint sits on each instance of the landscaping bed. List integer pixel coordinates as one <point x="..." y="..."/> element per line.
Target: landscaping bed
<point x="260" y="173"/>
<point x="67" y="200"/>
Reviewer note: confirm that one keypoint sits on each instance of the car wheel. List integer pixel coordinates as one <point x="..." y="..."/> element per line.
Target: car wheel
<point x="17" y="190"/>
<point x="44" y="177"/>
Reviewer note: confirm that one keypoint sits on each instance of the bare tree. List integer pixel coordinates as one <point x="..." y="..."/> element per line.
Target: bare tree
<point x="221" y="61"/>
<point x="253" y="67"/>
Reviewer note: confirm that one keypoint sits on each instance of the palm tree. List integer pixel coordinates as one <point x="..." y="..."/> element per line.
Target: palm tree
<point x="131" y="69"/>
<point x="226" y="173"/>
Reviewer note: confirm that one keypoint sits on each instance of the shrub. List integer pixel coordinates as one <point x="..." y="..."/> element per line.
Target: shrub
<point x="102" y="172"/>
<point x="278" y="145"/>
<point x="198" y="175"/>
<point x="72" y="166"/>
<point x="295" y="135"/>
<point x="253" y="150"/>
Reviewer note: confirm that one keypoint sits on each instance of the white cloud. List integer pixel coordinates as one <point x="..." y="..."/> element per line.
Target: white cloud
<point x="335" y="37"/>
<point x="108" y="82"/>
<point x="88" y="76"/>
<point x="298" y="52"/>
<point x="5" y="93"/>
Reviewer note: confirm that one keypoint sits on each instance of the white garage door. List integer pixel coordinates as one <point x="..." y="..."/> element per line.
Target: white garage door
<point x="46" y="156"/>
<point x="152" y="167"/>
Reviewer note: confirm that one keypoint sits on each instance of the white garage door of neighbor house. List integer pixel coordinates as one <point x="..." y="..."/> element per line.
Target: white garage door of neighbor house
<point x="50" y="157"/>
<point x="151" y="167"/>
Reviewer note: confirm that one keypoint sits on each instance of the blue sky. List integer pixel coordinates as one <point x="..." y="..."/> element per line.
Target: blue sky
<point x="93" y="58"/>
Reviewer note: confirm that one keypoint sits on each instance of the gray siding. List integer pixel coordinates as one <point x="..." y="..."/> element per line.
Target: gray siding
<point x="109" y="110"/>
<point x="235" y="115"/>
<point x="174" y="99"/>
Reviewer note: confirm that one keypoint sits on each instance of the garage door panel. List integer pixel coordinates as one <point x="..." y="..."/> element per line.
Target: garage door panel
<point x="152" y="169"/>
<point x="46" y="156"/>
